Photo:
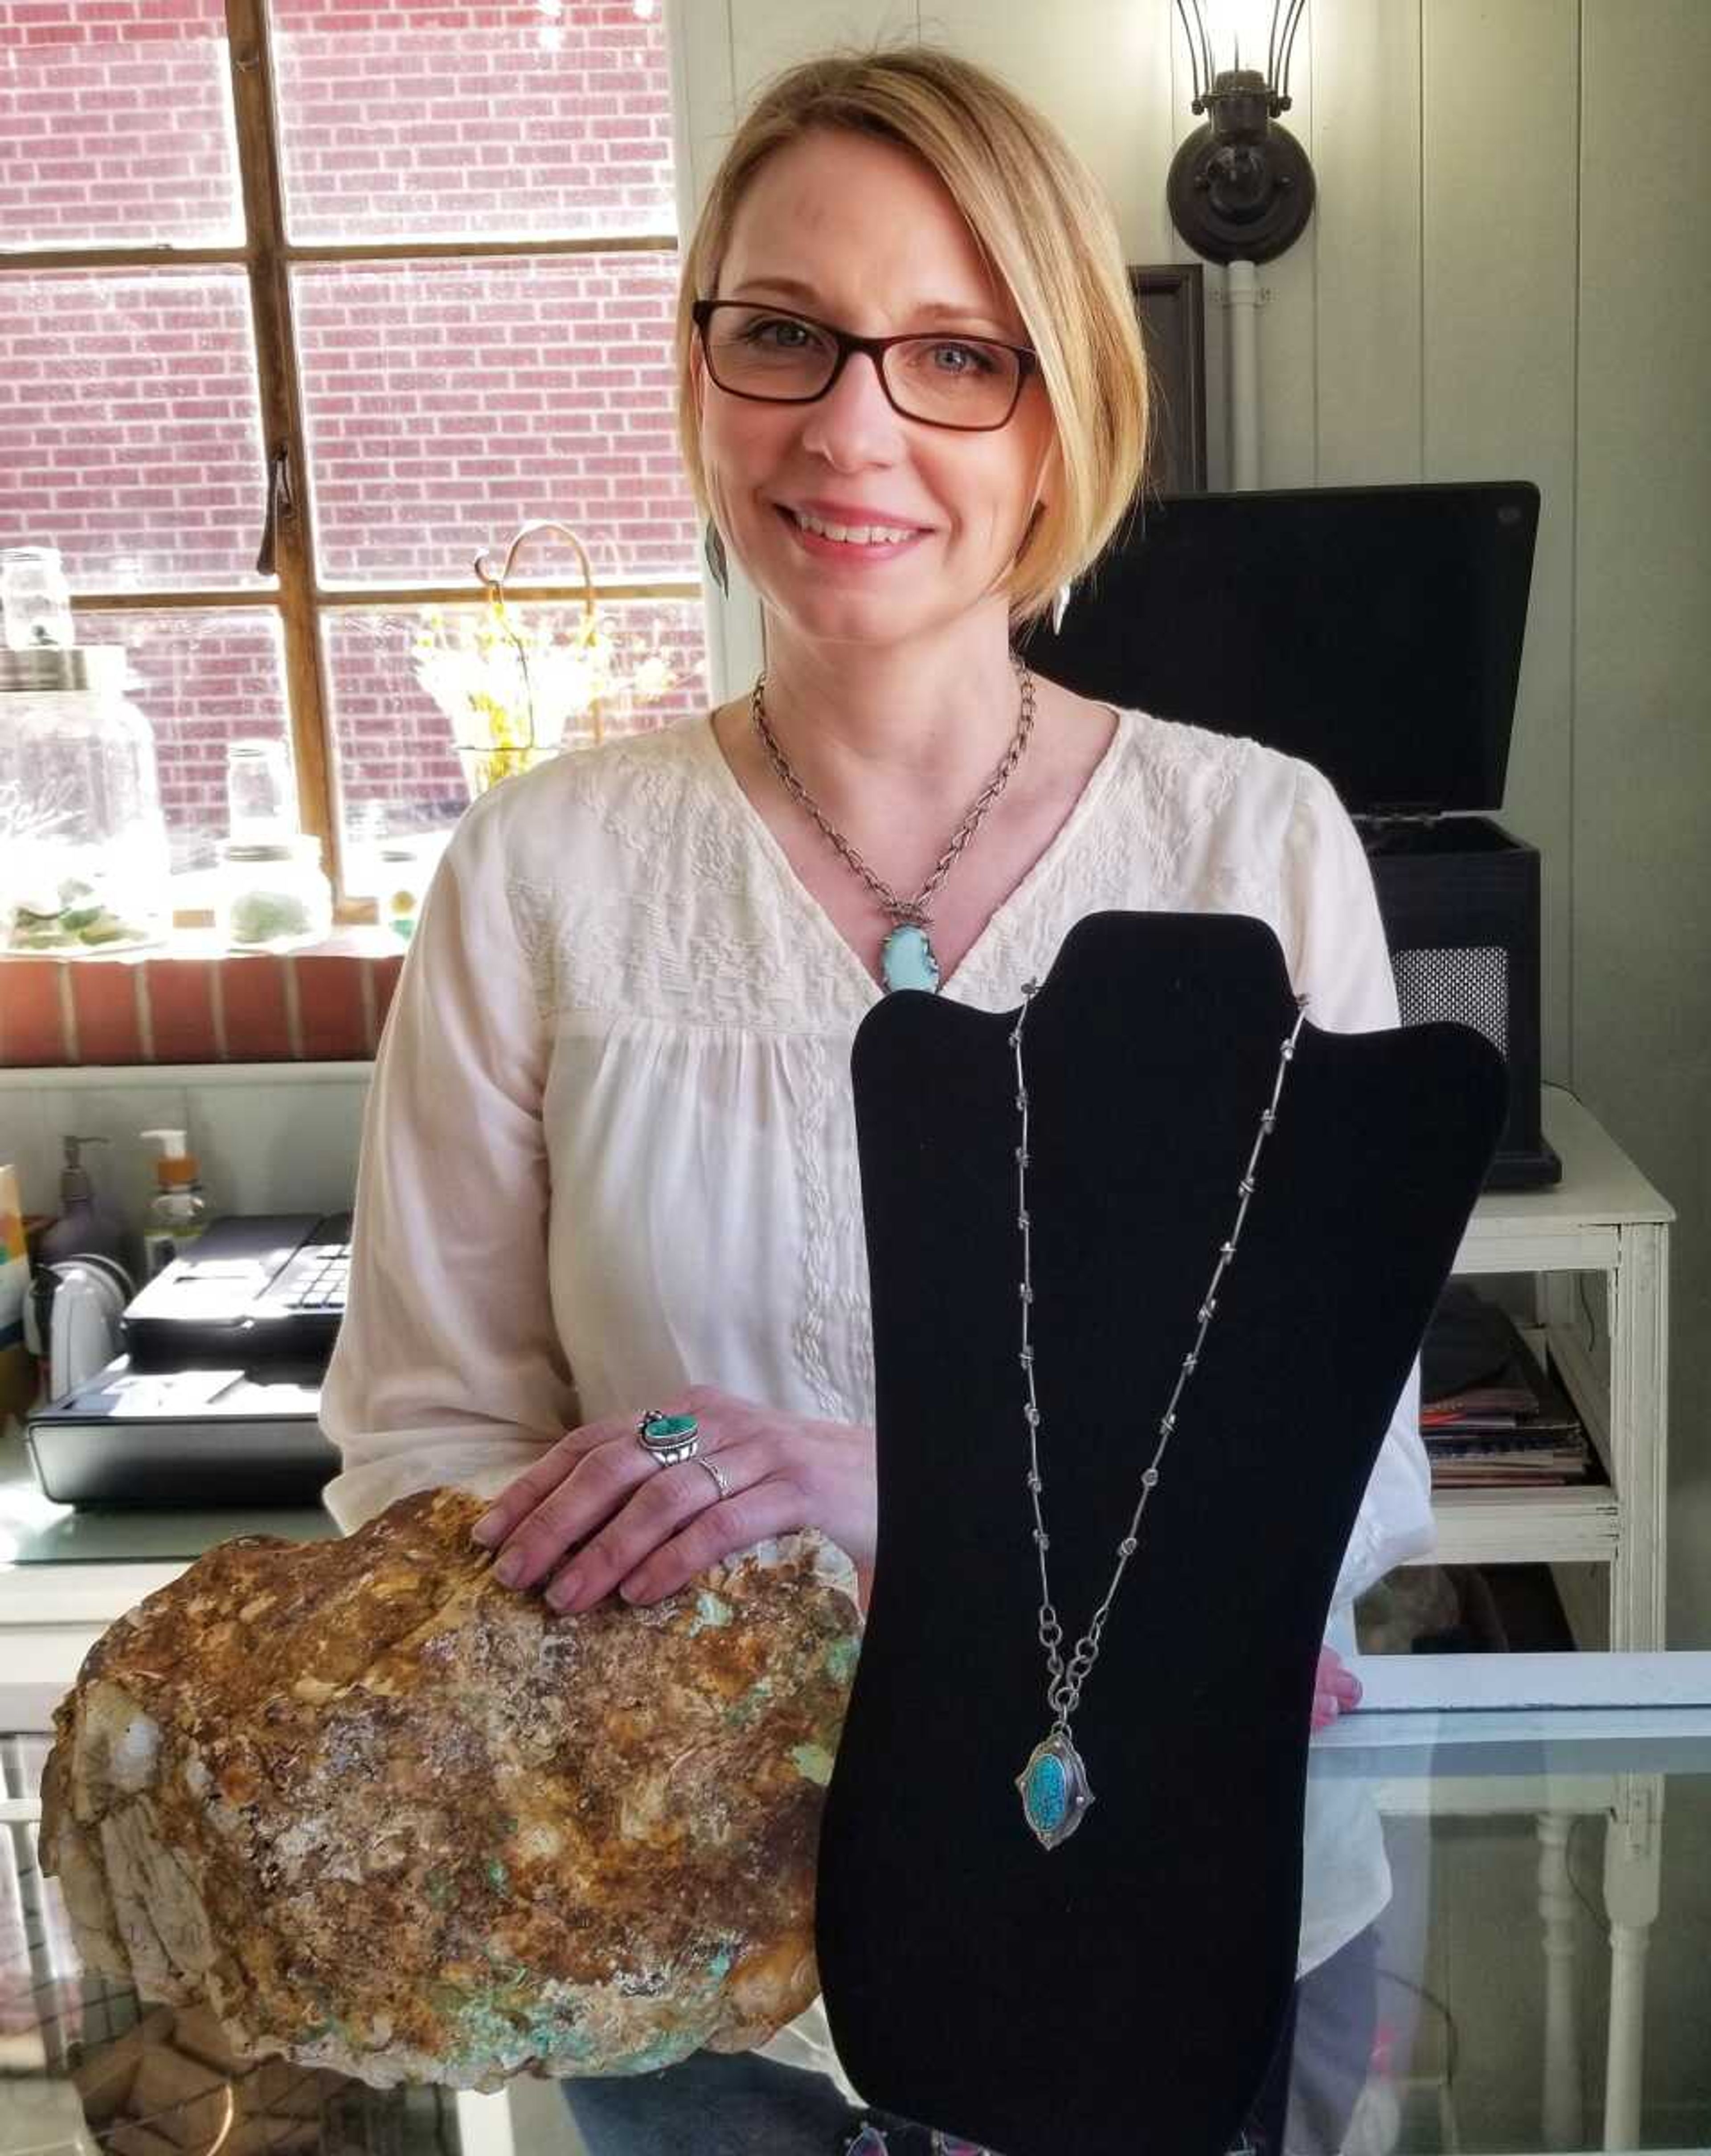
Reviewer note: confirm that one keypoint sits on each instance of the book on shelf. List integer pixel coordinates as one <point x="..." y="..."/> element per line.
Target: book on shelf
<point x="1491" y="1414"/>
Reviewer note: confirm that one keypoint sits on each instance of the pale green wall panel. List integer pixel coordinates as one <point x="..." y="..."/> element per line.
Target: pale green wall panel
<point x="1289" y="319"/>
<point x="1183" y="124"/>
<point x="1643" y="740"/>
<point x="1366" y="151"/>
<point x="1107" y="86"/>
<point x="1498" y="91"/>
<point x="770" y="34"/>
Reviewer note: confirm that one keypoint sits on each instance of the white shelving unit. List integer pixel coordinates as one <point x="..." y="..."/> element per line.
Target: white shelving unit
<point x="1606" y="1546"/>
<point x="1604" y="1218"/>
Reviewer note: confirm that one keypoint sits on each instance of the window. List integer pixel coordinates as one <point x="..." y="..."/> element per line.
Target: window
<point x="303" y="304"/>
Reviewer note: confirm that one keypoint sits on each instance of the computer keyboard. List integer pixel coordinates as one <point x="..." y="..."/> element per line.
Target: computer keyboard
<point x="316" y="1278"/>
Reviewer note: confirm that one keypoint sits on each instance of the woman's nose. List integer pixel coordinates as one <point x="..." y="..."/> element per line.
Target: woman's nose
<point x="855" y="417"/>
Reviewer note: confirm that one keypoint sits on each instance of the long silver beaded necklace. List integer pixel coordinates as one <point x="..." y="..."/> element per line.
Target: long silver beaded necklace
<point x="907" y="959"/>
<point x="1053" y="1786"/>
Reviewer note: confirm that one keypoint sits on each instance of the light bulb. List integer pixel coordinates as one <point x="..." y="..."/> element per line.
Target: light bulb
<point x="1240" y="33"/>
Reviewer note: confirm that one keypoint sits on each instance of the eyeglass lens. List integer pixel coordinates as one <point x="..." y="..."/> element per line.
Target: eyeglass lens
<point x="952" y="381"/>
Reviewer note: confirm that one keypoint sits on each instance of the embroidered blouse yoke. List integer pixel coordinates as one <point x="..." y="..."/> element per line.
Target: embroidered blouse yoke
<point x="609" y="1147"/>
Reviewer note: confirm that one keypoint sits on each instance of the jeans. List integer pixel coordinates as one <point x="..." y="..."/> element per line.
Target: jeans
<point x="737" y="2103"/>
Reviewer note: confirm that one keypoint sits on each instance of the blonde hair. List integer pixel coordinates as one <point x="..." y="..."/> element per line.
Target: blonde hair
<point x="1044" y="229"/>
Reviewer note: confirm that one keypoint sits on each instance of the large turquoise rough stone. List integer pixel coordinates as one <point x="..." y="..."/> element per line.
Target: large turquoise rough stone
<point x="1046" y="1796"/>
<point x="907" y="960"/>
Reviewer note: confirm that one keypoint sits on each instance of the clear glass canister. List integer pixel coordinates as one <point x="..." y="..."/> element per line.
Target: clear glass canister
<point x="35" y="600"/>
<point x="273" y="894"/>
<point x="84" y="858"/>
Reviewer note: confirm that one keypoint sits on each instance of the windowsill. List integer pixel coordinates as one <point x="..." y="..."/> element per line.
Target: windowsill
<point x="351" y="940"/>
<point x="190" y="999"/>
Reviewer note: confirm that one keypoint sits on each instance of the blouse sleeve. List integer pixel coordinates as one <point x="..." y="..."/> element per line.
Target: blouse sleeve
<point x="1341" y="960"/>
<point x="448" y="1367"/>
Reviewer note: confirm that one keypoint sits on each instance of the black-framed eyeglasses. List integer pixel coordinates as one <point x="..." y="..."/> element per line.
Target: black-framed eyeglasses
<point x="774" y="356"/>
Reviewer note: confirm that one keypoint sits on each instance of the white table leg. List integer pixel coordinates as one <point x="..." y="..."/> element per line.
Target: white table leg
<point x="1632" y="1861"/>
<point x="1560" y="2085"/>
<point x="484" y="2124"/>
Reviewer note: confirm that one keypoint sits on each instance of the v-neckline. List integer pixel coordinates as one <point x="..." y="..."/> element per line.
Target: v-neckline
<point x="807" y="904"/>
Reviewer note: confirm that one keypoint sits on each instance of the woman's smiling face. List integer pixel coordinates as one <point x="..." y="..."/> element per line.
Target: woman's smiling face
<point x="861" y="234"/>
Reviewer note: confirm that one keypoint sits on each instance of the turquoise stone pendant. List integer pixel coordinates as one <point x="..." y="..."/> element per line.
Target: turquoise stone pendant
<point x="1055" y="1792"/>
<point x="906" y="959"/>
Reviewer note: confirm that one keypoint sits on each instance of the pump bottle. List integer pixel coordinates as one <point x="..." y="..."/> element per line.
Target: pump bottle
<point x="178" y="1212"/>
<point x="88" y="1226"/>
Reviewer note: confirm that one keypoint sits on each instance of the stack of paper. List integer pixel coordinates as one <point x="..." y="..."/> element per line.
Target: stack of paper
<point x="1511" y="1423"/>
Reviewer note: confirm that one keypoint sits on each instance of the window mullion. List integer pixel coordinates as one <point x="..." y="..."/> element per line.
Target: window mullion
<point x="281" y="401"/>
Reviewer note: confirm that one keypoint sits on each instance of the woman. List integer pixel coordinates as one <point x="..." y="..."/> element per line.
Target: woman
<point x="609" y="1159"/>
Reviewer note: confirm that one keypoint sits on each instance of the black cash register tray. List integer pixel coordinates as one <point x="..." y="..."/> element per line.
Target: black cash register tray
<point x="257" y="1288"/>
<point x="216" y="1400"/>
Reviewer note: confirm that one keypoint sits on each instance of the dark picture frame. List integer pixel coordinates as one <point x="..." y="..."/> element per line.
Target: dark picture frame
<point x="1170" y="303"/>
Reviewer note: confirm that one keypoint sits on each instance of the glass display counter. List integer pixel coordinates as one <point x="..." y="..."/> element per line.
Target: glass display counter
<point x="1541" y="1856"/>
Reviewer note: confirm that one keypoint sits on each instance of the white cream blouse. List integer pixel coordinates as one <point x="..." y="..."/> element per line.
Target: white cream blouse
<point x="609" y="1147"/>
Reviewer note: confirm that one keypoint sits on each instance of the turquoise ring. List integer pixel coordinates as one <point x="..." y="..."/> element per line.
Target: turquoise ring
<point x="667" y="1437"/>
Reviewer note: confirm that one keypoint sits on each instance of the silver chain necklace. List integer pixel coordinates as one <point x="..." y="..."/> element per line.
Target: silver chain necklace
<point x="1053" y="1783"/>
<point x="906" y="956"/>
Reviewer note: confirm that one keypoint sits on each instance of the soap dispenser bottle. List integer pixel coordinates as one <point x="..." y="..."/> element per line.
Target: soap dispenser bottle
<point x="178" y="1212"/>
<point x="88" y="1226"/>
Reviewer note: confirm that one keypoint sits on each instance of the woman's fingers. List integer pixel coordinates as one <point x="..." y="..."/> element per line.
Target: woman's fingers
<point x="675" y="1528"/>
<point x="594" y="1483"/>
<point x="519" y="1498"/>
<point x="1335" y="1689"/>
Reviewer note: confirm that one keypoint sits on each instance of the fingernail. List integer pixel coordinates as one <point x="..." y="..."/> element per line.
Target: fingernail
<point x="564" y="1591"/>
<point x="634" y="1590"/>
<point x="488" y="1528"/>
<point x="510" y="1567"/>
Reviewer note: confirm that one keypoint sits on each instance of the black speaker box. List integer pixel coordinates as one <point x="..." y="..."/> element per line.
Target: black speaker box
<point x="1376" y="631"/>
<point x="1459" y="897"/>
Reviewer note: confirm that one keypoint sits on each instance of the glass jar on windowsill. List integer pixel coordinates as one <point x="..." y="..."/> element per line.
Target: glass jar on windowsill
<point x="84" y="858"/>
<point x="272" y="895"/>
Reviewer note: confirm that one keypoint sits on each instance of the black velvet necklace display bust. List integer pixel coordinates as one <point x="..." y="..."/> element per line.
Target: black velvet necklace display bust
<point x="1123" y="1992"/>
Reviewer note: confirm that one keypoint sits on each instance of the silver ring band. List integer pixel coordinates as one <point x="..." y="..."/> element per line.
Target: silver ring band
<point x="715" y="1470"/>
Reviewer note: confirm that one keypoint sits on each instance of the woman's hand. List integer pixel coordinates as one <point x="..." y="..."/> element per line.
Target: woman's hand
<point x="1335" y="1690"/>
<point x="647" y="1530"/>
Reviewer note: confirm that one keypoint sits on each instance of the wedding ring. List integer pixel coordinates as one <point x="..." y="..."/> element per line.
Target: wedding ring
<point x="716" y="1472"/>
<point x="668" y="1437"/>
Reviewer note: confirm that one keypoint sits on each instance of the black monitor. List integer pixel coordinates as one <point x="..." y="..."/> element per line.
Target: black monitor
<point x="1374" y="630"/>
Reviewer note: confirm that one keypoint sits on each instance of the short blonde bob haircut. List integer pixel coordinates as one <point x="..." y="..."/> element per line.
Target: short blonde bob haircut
<point x="1046" y="233"/>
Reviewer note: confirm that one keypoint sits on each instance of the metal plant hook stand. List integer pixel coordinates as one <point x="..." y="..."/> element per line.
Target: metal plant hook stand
<point x="492" y="582"/>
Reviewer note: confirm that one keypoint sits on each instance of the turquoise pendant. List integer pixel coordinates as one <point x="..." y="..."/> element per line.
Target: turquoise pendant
<point x="1053" y="1790"/>
<point x="906" y="959"/>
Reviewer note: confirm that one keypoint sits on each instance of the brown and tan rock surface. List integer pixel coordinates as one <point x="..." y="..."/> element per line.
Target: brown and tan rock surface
<point x="389" y="1817"/>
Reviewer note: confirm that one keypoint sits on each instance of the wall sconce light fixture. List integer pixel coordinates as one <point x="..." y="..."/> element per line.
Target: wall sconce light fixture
<point x="1241" y="187"/>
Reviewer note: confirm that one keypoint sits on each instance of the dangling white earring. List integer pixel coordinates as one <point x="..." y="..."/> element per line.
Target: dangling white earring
<point x="1059" y="607"/>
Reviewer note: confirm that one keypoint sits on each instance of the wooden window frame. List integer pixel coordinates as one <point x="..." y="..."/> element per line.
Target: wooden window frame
<point x="268" y="257"/>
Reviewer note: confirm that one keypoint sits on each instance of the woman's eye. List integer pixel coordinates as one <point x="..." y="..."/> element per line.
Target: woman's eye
<point x="759" y="332"/>
<point x="969" y="358"/>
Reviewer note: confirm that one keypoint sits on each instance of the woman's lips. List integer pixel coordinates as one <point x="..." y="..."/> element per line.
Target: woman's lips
<point x="869" y="554"/>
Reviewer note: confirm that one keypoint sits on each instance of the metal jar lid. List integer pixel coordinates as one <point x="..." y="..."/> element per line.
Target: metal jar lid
<point x="51" y="668"/>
